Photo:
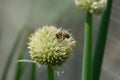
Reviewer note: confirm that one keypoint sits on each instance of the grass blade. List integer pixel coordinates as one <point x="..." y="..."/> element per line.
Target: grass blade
<point x="20" y="68"/>
<point x="12" y="53"/>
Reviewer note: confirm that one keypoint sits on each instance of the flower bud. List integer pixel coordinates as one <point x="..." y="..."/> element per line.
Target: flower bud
<point x="50" y="46"/>
<point x="96" y="7"/>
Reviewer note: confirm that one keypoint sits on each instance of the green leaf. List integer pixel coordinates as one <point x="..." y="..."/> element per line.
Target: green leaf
<point x="12" y="53"/>
<point x="20" y="68"/>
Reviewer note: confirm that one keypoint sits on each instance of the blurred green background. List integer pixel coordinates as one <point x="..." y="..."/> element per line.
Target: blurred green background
<point x="17" y="17"/>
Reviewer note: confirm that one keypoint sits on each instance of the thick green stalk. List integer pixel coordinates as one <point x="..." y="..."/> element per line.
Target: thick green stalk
<point x="50" y="72"/>
<point x="87" y="56"/>
<point x="101" y="41"/>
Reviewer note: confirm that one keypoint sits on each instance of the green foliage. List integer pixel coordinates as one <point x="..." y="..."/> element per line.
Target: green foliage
<point x="19" y="67"/>
<point x="20" y="41"/>
<point x="12" y="53"/>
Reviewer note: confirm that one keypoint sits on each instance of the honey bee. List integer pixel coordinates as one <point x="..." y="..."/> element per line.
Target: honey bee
<point x="62" y="34"/>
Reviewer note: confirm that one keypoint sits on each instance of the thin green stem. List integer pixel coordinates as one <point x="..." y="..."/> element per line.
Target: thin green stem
<point x="87" y="56"/>
<point x="50" y="72"/>
<point x="101" y="42"/>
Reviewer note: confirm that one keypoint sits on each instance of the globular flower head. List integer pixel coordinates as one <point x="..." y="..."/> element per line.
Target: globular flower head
<point x="50" y="46"/>
<point x="96" y="7"/>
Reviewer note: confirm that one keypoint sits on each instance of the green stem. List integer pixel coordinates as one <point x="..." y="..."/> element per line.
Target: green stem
<point x="50" y="72"/>
<point x="33" y="72"/>
<point x="101" y="42"/>
<point x="87" y="56"/>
